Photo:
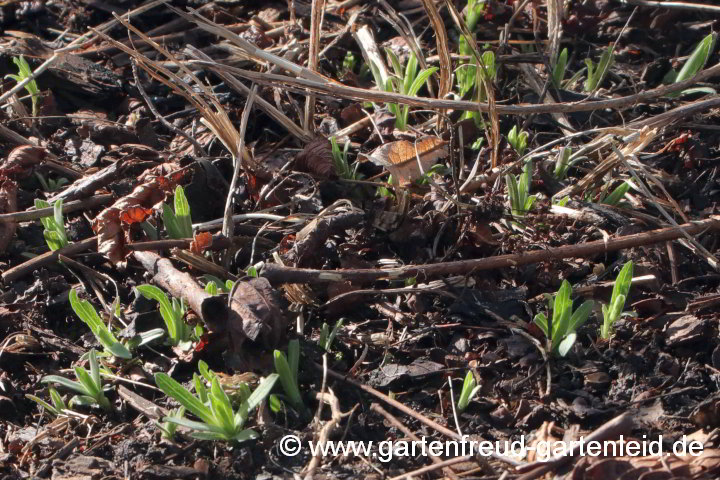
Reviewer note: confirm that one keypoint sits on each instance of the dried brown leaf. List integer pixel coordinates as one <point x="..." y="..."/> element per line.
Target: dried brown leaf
<point x="8" y="204"/>
<point x="255" y="314"/>
<point x="316" y="158"/>
<point x="401" y="158"/>
<point x="23" y="158"/>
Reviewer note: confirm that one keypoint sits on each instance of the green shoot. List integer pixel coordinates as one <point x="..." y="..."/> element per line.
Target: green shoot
<point x="695" y="62"/>
<point x="613" y="311"/>
<point x="327" y="336"/>
<point x="167" y="428"/>
<point x="469" y="390"/>
<point x="484" y="69"/>
<point x="178" y="223"/>
<point x="340" y="160"/>
<point x="561" y="334"/>
<point x="562" y="163"/>
<point x="349" y="63"/>
<point x="173" y="314"/>
<point x="518" y="140"/>
<point x="287" y="368"/>
<point x="558" y="73"/>
<point x="86" y="312"/>
<point x="54" y="233"/>
<point x="89" y="385"/>
<point x="596" y="72"/>
<point x="519" y="191"/>
<point x="466" y="76"/>
<point x="617" y="195"/>
<point x="405" y="82"/>
<point x="24" y="72"/>
<point x="58" y="404"/>
<point x="50" y="184"/>
<point x="218" y="420"/>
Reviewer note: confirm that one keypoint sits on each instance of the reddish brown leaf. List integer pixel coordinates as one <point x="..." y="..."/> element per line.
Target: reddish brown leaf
<point x="135" y="215"/>
<point x="23" y="158"/>
<point x="401" y="158"/>
<point x="200" y="242"/>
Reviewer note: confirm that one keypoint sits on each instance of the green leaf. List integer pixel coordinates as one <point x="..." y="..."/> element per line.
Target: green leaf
<point x="294" y="357"/>
<point x="420" y="80"/>
<point x="580" y="316"/>
<point x="182" y="213"/>
<point x="622" y="282"/>
<point x="561" y="313"/>
<point x="560" y="67"/>
<point x="92" y="389"/>
<point x="62" y="381"/>
<point x="171" y="222"/>
<point x="541" y="321"/>
<point x="614" y="198"/>
<point x="221" y="408"/>
<point x="287" y="380"/>
<point x="566" y="344"/>
<point x="166" y="311"/>
<point x="94" y="369"/>
<point x="43" y="404"/>
<point x="697" y="59"/>
<point x="410" y="74"/>
<point x="262" y="391"/>
<point x="186" y="399"/>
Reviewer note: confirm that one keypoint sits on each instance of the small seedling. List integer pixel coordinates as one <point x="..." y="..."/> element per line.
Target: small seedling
<point x="327" y="336"/>
<point x="469" y="390"/>
<point x="287" y="368"/>
<point x="50" y="184"/>
<point x="466" y="75"/>
<point x="178" y="223"/>
<point x="560" y="67"/>
<point x="87" y="313"/>
<point x="89" y="385"/>
<point x="518" y="140"/>
<point x="561" y="334"/>
<point x="617" y="195"/>
<point x="168" y="428"/>
<point x="613" y="311"/>
<point x="173" y="314"/>
<point x="596" y="72"/>
<point x="24" y="72"/>
<point x="218" y="420"/>
<point x="54" y="233"/>
<point x="695" y="62"/>
<point x="341" y="162"/>
<point x="562" y="163"/>
<point x="349" y="62"/>
<point x="405" y="82"/>
<point x="519" y="191"/>
<point x="58" y="404"/>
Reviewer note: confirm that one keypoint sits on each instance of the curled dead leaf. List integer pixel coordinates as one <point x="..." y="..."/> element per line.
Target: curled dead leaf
<point x="108" y="225"/>
<point x="23" y="158"/>
<point x="401" y="158"/>
<point x="316" y="158"/>
<point x="200" y="242"/>
<point x="135" y="215"/>
<point x="255" y="314"/>
<point x="8" y="204"/>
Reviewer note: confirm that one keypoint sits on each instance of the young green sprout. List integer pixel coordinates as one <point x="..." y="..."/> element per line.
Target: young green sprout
<point x="51" y="185"/>
<point x="614" y="310"/>
<point x="327" y="337"/>
<point x="167" y="428"/>
<point x="405" y="82"/>
<point x="562" y="163"/>
<point x="519" y="191"/>
<point x="341" y="162"/>
<point x="287" y="368"/>
<point x="24" y="72"/>
<point x="469" y="390"/>
<point x="561" y="334"/>
<point x="58" y="404"/>
<point x="54" y="226"/>
<point x="617" y="195"/>
<point x="89" y="385"/>
<point x="518" y="140"/>
<point x="87" y="313"/>
<point x="178" y="223"/>
<point x="173" y="314"/>
<point x="695" y="62"/>
<point x="596" y="73"/>
<point x="560" y="67"/>
<point x="218" y="420"/>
